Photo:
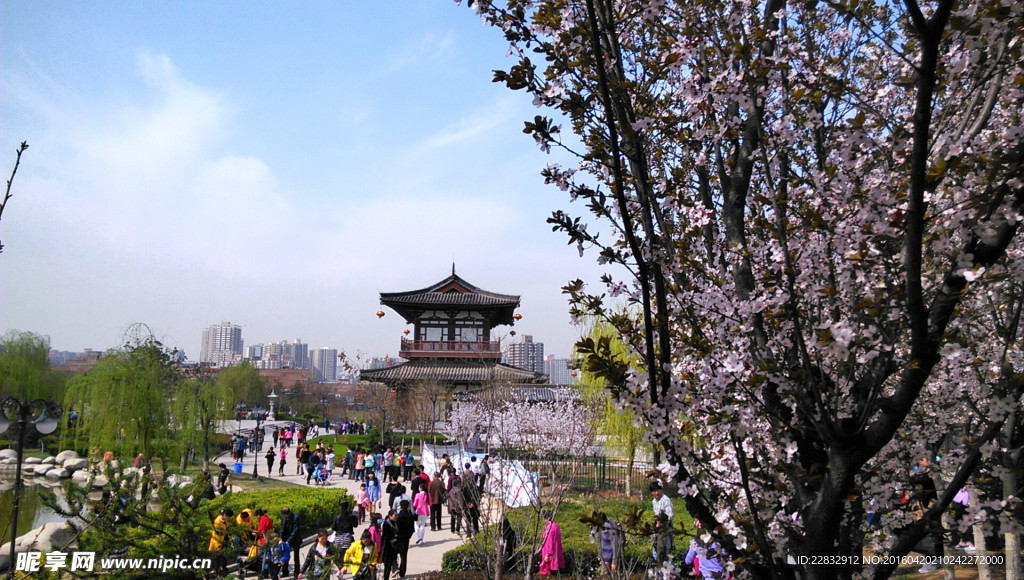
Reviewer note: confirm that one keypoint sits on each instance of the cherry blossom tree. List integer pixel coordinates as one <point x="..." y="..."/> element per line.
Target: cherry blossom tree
<point x="546" y="428"/>
<point x="815" y="210"/>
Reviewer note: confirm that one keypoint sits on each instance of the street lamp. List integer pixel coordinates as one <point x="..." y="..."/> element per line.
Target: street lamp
<point x="44" y="416"/>
<point x="257" y="449"/>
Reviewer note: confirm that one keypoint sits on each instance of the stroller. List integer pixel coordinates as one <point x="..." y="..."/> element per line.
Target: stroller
<point x="321" y="476"/>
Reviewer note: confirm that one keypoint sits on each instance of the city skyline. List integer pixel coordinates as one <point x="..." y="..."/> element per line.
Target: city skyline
<point x="277" y="167"/>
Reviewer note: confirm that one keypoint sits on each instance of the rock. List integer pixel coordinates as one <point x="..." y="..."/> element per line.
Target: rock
<point x="49" y="460"/>
<point x="31" y="461"/>
<point x="58" y="473"/>
<point x="8" y="454"/>
<point x="54" y="535"/>
<point x="100" y="482"/>
<point x="80" y="476"/>
<point x="63" y="456"/>
<point x="9" y="460"/>
<point x="75" y="463"/>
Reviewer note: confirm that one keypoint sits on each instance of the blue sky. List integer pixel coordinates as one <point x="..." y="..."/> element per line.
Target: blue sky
<point x="272" y="164"/>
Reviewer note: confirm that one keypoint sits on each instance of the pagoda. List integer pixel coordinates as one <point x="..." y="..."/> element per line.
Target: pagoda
<point x="451" y="340"/>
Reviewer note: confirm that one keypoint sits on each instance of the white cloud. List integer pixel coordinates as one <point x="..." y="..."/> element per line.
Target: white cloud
<point x="431" y="47"/>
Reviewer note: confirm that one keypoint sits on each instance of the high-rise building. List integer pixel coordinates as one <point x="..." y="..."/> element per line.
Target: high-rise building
<point x="557" y="370"/>
<point x="526" y="354"/>
<point x="325" y="365"/>
<point x="288" y="355"/>
<point x="300" y="355"/>
<point x="222" y="345"/>
<point x="254" y="352"/>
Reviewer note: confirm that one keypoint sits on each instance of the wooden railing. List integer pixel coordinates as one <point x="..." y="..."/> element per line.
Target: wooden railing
<point x="460" y="348"/>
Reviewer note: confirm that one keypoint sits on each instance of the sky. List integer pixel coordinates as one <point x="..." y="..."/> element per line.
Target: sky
<point x="272" y="164"/>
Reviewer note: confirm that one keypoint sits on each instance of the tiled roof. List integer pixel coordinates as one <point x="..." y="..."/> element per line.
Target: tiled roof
<point x="458" y="371"/>
<point x="453" y="290"/>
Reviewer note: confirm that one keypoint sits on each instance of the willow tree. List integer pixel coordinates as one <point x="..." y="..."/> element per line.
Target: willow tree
<point x="124" y="403"/>
<point x="623" y="431"/>
<point x="199" y="404"/>
<point x="26" y="374"/>
<point x="245" y="383"/>
<point x="812" y="205"/>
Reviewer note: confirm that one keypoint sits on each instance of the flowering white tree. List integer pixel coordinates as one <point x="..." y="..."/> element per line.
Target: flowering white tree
<point x="549" y="432"/>
<point x="818" y="206"/>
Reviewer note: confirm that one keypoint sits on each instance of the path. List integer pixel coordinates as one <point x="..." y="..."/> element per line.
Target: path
<point x="425" y="557"/>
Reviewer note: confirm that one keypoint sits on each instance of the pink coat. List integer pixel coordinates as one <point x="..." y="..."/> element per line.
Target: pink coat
<point x="421" y="503"/>
<point x="552" y="559"/>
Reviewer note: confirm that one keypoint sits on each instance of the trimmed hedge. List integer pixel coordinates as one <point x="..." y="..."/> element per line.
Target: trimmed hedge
<point x="316" y="507"/>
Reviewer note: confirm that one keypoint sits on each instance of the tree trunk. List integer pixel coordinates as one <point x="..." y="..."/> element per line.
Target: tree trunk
<point x="980" y="547"/>
<point x="1011" y="540"/>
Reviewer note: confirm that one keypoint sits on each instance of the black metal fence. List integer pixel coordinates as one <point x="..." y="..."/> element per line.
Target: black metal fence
<point x="588" y="473"/>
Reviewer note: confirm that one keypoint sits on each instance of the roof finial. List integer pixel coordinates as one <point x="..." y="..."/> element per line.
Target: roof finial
<point x="453" y="268"/>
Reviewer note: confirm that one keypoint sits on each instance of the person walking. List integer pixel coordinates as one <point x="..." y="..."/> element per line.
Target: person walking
<point x="471" y="501"/>
<point x="271" y="456"/>
<point x="373" y="490"/>
<point x="436" y="491"/>
<point x="344" y="526"/>
<point x="284" y="460"/>
<point x="303" y="456"/>
<point x="362" y="554"/>
<point x="320" y="558"/>
<point x="362" y="502"/>
<point x="661" y="507"/>
<point x="552" y="558"/>
<point x="485" y="470"/>
<point x="360" y="465"/>
<point x="421" y="504"/>
<point x="389" y="540"/>
<point x="290" y="533"/>
<point x="456" y="504"/>
<point x="312" y="462"/>
<point x="406" y="526"/>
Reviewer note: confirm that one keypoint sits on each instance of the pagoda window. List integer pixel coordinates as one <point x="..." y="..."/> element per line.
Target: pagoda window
<point x="467" y="333"/>
<point x="433" y="333"/>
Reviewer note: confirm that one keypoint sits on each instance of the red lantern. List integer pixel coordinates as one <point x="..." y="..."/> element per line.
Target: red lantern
<point x="405" y="332"/>
<point x="517" y="316"/>
<point x="512" y="333"/>
<point x="380" y="314"/>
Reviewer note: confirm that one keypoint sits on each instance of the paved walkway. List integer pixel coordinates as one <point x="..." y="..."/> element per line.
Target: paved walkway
<point x="423" y="558"/>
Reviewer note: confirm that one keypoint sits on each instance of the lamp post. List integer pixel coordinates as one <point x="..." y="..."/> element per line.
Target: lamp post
<point x="44" y="416"/>
<point x="255" y="454"/>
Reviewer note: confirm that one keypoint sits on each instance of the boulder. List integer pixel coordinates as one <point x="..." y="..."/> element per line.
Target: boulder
<point x="80" y="476"/>
<point x="75" y="463"/>
<point x="100" y="482"/>
<point x="32" y="461"/>
<point x="57" y="473"/>
<point x="8" y="454"/>
<point x="54" y="535"/>
<point x="63" y="456"/>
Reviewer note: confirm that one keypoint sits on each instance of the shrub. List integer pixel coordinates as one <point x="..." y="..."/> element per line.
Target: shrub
<point x="316" y="507"/>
